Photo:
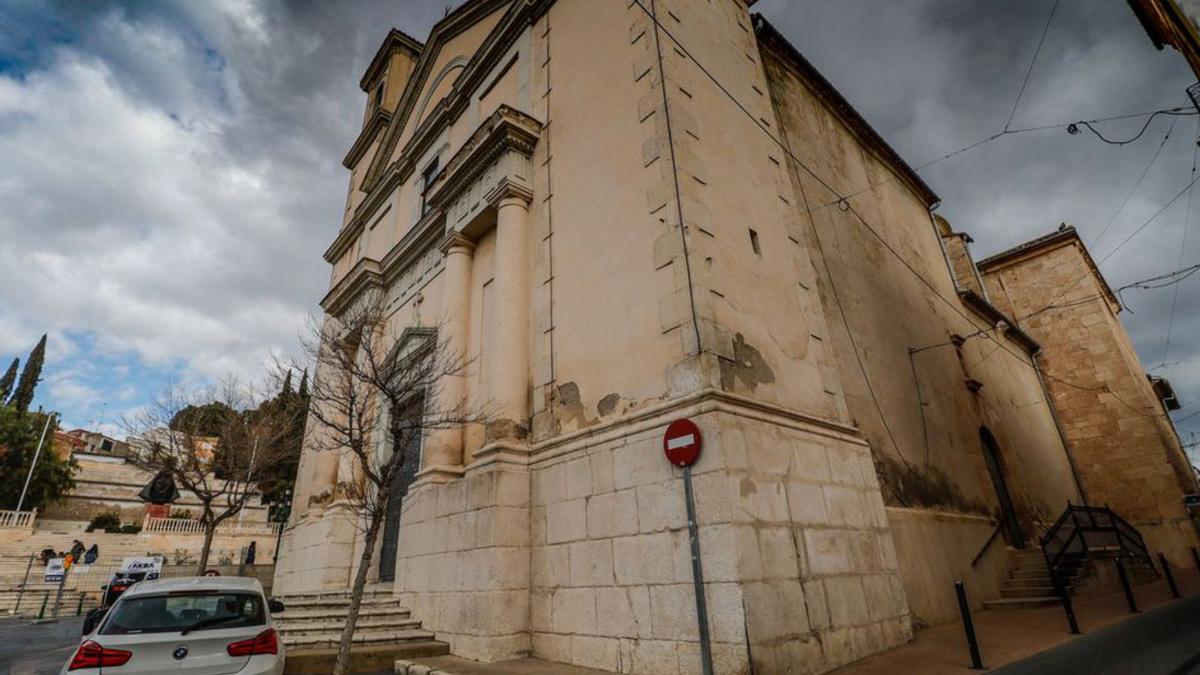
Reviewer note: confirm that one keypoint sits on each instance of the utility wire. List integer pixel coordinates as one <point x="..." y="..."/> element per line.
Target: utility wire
<point x="1032" y="63"/>
<point x="845" y="205"/>
<point x="1182" y="111"/>
<point x="1135" y="233"/>
<point x="1137" y="184"/>
<point x="1187" y="214"/>
<point x="1074" y="128"/>
<point x="1142" y="284"/>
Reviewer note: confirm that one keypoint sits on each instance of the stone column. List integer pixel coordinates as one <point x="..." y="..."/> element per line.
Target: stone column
<point x="444" y="452"/>
<point x="509" y="359"/>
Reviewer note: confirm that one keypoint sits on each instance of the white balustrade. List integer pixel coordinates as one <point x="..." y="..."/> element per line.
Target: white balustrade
<point x="21" y="520"/>
<point x="192" y="526"/>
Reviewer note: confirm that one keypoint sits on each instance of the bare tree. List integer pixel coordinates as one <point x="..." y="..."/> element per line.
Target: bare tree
<point x="211" y="442"/>
<point x="375" y="396"/>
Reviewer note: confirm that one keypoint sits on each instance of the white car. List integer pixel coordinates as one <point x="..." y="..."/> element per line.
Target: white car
<point x="194" y="626"/>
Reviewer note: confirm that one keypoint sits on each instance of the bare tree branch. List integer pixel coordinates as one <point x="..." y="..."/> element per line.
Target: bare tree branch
<point x="375" y="397"/>
<point x="213" y="442"/>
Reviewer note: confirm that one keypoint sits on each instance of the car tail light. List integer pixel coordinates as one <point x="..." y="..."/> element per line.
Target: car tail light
<point x="92" y="655"/>
<point x="266" y="642"/>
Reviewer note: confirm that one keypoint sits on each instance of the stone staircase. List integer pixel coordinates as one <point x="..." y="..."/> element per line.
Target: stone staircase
<point x="312" y="623"/>
<point x="1029" y="584"/>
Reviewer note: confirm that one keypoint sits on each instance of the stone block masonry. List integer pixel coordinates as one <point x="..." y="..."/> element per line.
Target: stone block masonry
<point x="582" y="556"/>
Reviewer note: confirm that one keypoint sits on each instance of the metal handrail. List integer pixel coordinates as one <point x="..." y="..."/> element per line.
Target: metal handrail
<point x="987" y="544"/>
<point x="1055" y="546"/>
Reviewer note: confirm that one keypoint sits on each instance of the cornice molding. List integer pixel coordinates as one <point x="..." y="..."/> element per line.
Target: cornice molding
<point x="395" y="41"/>
<point x="366" y="210"/>
<point x="992" y="314"/>
<point x="455" y="240"/>
<point x="422" y="237"/>
<point x="505" y="130"/>
<point x="507" y="188"/>
<point x="379" y="121"/>
<point x="365" y="274"/>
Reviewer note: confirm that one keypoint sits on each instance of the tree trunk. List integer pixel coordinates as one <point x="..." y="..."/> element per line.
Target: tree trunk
<point x="342" y="665"/>
<point x="210" y="529"/>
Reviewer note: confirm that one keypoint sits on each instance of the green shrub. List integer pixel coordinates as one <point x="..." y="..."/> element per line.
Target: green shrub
<point x="182" y="514"/>
<point x="131" y="528"/>
<point x="109" y="521"/>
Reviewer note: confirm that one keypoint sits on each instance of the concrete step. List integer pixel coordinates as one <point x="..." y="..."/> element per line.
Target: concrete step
<point x="1028" y="591"/>
<point x="335" y="627"/>
<point x="368" y="658"/>
<point x="289" y="616"/>
<point x="360" y="637"/>
<point x="1021" y="603"/>
<point x="335" y="605"/>
<point x="333" y="595"/>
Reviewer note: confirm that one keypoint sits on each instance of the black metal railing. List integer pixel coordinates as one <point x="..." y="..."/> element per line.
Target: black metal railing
<point x="1084" y="530"/>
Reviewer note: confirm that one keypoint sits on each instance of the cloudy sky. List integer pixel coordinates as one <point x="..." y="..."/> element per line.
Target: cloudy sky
<point x="170" y="171"/>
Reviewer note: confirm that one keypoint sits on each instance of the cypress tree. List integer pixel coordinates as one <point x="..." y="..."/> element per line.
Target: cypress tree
<point x="287" y="383"/>
<point x="32" y="374"/>
<point x="304" y="385"/>
<point x="9" y="379"/>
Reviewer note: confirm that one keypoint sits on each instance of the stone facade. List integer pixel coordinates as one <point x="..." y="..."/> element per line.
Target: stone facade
<point x="617" y="242"/>
<point x="1129" y="454"/>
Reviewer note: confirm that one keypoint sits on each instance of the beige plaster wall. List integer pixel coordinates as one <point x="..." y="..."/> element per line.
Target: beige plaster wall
<point x="596" y="278"/>
<point x="916" y="410"/>
<point x="955" y="539"/>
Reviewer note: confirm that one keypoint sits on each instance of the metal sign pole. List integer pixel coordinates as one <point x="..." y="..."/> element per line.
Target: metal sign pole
<point x="24" y="583"/>
<point x="37" y="453"/>
<point x="58" y="595"/>
<point x="706" y="661"/>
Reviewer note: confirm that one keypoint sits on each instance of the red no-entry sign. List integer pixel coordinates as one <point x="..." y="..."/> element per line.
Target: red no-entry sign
<point x="681" y="442"/>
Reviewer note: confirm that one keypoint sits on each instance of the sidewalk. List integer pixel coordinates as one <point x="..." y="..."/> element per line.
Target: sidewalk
<point x="1005" y="636"/>
<point x="1009" y="635"/>
<point x="452" y="665"/>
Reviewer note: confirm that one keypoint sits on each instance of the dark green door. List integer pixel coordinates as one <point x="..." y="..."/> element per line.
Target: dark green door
<point x="995" y="467"/>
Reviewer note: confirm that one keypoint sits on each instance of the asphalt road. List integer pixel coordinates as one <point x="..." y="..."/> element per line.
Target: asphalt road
<point x="1164" y="641"/>
<point x="26" y="649"/>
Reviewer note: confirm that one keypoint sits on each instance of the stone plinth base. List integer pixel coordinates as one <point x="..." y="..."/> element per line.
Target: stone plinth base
<point x="317" y="551"/>
<point x="463" y="567"/>
<point x="581" y="555"/>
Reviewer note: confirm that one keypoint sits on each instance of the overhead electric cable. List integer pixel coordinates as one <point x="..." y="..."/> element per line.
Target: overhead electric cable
<point x="1032" y="63"/>
<point x="1137" y="184"/>
<point x="845" y="205"/>
<point x="1187" y="214"/>
<point x="1182" y="111"/>
<point x="1073" y="128"/>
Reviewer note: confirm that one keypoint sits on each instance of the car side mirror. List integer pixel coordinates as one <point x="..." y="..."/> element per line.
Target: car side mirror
<point x="275" y="606"/>
<point x="92" y="619"/>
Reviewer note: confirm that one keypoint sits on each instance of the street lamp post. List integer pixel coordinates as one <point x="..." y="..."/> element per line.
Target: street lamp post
<point x="36" y="454"/>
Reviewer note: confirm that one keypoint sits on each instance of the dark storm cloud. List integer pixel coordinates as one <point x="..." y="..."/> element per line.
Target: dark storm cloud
<point x="933" y="76"/>
<point x="201" y="143"/>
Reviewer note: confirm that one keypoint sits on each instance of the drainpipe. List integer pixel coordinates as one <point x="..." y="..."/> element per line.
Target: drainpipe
<point x="1062" y="435"/>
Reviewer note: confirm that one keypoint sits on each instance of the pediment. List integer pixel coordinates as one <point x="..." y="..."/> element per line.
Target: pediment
<point x="467" y="77"/>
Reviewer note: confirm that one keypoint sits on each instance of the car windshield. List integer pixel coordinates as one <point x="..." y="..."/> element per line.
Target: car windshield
<point x="179" y="612"/>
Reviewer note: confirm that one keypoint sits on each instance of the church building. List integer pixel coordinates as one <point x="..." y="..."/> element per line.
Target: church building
<point x="630" y="212"/>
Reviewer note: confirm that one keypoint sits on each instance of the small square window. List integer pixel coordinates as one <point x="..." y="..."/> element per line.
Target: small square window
<point x="427" y="177"/>
<point x="754" y="243"/>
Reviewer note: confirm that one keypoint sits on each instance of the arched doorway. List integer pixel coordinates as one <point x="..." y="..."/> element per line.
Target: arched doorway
<point x="995" y="466"/>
